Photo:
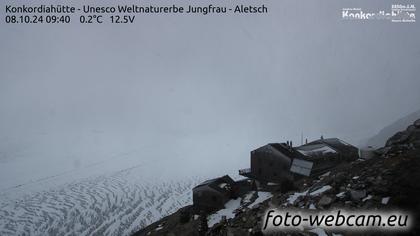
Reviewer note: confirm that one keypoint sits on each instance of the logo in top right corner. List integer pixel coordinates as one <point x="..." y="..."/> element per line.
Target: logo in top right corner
<point x="399" y="13"/>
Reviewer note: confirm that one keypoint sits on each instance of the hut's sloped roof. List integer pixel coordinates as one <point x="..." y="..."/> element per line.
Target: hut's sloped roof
<point x="337" y="144"/>
<point x="316" y="150"/>
<point x="220" y="184"/>
<point x="284" y="149"/>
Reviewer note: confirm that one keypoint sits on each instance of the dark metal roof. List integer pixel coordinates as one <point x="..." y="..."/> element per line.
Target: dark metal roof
<point x="335" y="143"/>
<point x="216" y="182"/>
<point x="284" y="149"/>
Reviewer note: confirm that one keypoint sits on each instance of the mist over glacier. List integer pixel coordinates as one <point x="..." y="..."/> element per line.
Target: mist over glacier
<point x="169" y="101"/>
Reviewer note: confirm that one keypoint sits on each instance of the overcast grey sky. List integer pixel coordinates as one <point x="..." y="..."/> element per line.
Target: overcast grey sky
<point x="205" y="87"/>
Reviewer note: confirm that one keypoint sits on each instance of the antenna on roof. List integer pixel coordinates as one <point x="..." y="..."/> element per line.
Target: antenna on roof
<point x="301" y="138"/>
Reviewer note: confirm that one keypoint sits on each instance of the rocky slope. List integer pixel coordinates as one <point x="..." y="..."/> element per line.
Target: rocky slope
<point x="382" y="136"/>
<point x="387" y="181"/>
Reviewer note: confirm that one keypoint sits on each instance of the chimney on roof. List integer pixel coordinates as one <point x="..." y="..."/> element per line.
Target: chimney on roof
<point x="291" y="144"/>
<point x="322" y="137"/>
<point x="287" y="143"/>
<point x="306" y="141"/>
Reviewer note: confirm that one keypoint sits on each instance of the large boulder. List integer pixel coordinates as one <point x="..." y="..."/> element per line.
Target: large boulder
<point x="410" y="128"/>
<point x="398" y="138"/>
<point x="417" y="123"/>
<point x="325" y="201"/>
<point x="357" y="195"/>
